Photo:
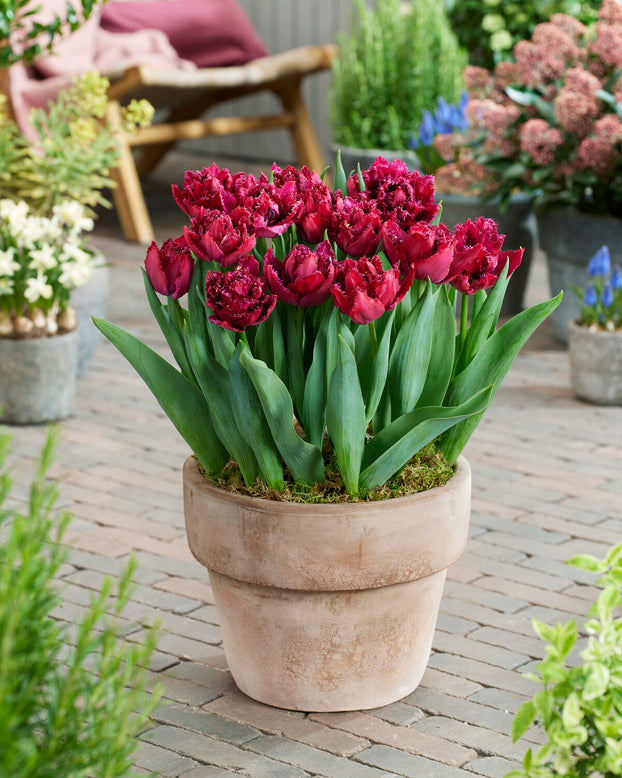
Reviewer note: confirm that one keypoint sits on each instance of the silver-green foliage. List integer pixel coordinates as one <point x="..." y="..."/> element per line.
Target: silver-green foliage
<point x="580" y="706"/>
<point x="71" y="704"/>
<point x="398" y="59"/>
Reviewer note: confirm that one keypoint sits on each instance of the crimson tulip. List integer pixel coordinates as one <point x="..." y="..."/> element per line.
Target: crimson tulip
<point x="427" y="249"/>
<point x="478" y="249"/>
<point x="210" y="188"/>
<point x="238" y="298"/>
<point x="169" y="269"/>
<point x="317" y="202"/>
<point x="364" y="291"/>
<point x="212" y="236"/>
<point x="402" y="194"/>
<point x="304" y="277"/>
<point x="356" y="226"/>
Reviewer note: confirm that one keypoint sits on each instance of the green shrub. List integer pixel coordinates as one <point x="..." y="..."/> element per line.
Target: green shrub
<point x="71" y="701"/>
<point x="580" y="706"/>
<point x="399" y="58"/>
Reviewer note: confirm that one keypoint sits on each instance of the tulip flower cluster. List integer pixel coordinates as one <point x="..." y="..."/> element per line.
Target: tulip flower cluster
<point x="324" y="320"/>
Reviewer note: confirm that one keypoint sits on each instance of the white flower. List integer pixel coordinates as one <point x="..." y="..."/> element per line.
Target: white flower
<point x="6" y="286"/>
<point x="76" y="273"/>
<point x="8" y="265"/>
<point x="71" y="213"/>
<point x="37" y="289"/>
<point x="14" y="214"/>
<point x="43" y="258"/>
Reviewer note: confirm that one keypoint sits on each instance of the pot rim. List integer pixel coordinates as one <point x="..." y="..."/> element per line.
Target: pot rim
<point x="192" y="472"/>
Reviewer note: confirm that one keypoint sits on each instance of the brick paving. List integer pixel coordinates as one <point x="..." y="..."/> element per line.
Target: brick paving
<point x="546" y="486"/>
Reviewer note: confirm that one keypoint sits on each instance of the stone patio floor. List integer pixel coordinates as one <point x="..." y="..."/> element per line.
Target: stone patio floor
<point x="546" y="486"/>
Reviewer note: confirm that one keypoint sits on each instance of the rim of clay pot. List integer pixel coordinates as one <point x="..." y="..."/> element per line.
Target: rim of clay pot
<point x="326" y="547"/>
<point x="574" y="326"/>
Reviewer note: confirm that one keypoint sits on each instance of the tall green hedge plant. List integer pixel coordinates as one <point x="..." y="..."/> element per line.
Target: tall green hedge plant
<point x="399" y="57"/>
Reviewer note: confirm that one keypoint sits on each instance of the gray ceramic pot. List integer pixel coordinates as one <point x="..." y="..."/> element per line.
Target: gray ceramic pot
<point x="517" y="222"/>
<point x="38" y="378"/>
<point x="595" y="364"/>
<point x="570" y="238"/>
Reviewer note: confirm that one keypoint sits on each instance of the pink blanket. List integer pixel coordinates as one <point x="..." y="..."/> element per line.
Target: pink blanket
<point x="136" y="32"/>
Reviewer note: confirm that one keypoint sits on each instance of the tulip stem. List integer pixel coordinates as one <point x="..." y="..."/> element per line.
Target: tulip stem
<point x="373" y="340"/>
<point x="244" y="340"/>
<point x="464" y="317"/>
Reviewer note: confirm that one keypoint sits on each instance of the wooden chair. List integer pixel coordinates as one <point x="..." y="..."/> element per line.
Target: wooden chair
<point x="187" y="96"/>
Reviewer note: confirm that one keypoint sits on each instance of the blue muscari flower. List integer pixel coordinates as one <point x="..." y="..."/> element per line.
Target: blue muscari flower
<point x="606" y="297"/>
<point x="616" y="278"/>
<point x="600" y="264"/>
<point x="590" y="297"/>
<point x="427" y="129"/>
<point x="443" y="115"/>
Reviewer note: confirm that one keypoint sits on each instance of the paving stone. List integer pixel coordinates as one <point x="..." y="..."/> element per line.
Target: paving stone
<point x="409" y="765"/>
<point x="471" y="649"/>
<point x="162" y="761"/>
<point x="479" y="739"/>
<point x="487" y="675"/>
<point x="492" y="766"/>
<point x="482" y="715"/>
<point x="314" y="761"/>
<point x="215" y="752"/>
<point x="205" y="723"/>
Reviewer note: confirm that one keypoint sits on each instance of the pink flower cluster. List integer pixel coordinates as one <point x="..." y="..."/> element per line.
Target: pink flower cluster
<point x="333" y="238"/>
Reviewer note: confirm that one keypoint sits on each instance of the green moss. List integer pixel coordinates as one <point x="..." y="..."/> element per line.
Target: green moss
<point x="427" y="469"/>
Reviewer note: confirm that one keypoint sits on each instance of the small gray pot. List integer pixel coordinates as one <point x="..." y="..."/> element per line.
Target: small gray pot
<point x="90" y="300"/>
<point x="38" y="378"/>
<point x="595" y="364"/>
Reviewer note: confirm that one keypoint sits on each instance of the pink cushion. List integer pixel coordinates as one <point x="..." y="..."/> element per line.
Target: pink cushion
<point x="210" y="33"/>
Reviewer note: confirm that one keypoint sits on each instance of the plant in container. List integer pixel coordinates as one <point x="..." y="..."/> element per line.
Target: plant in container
<point x="397" y="60"/>
<point x="322" y="382"/>
<point x="579" y="707"/>
<point x="595" y="338"/>
<point x="70" y="161"/>
<point x="447" y="144"/>
<point x="554" y="131"/>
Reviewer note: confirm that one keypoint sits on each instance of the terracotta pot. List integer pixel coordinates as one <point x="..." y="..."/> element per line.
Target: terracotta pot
<point x="327" y="607"/>
<point x="38" y="378"/>
<point x="595" y="364"/>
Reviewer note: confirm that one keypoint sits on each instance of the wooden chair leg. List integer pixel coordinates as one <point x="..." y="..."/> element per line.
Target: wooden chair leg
<point x="127" y="194"/>
<point x="303" y="135"/>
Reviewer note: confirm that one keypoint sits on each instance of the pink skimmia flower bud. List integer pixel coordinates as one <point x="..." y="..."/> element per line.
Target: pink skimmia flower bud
<point x="211" y="188"/>
<point x="400" y="193"/>
<point x="427" y="249"/>
<point x="238" y="298"/>
<point x="212" y="236"/>
<point x="364" y="291"/>
<point x="317" y="203"/>
<point x="356" y="226"/>
<point x="304" y="277"/>
<point x="169" y="269"/>
<point x="478" y="249"/>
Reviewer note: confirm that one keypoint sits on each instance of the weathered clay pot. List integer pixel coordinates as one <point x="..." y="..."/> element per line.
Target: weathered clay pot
<point x="595" y="364"/>
<point x="569" y="239"/>
<point x="327" y="607"/>
<point x="38" y="378"/>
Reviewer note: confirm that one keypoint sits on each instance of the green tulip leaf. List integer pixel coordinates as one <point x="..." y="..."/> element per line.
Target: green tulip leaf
<point x="303" y="459"/>
<point x="179" y="398"/>
<point x="410" y="358"/>
<point x="345" y="417"/>
<point x="373" y="370"/>
<point x="172" y="333"/>
<point x="251" y="422"/>
<point x="316" y="385"/>
<point x="489" y="366"/>
<point x="442" y="355"/>
<point x="395" y="445"/>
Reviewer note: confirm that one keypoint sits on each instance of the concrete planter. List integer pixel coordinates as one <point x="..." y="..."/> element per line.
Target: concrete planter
<point x="518" y="223"/>
<point x="327" y="607"/>
<point x="570" y="238"/>
<point x="38" y="378"/>
<point x="595" y="364"/>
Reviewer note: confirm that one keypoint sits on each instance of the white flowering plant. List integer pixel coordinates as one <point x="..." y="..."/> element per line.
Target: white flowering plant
<point x="42" y="259"/>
